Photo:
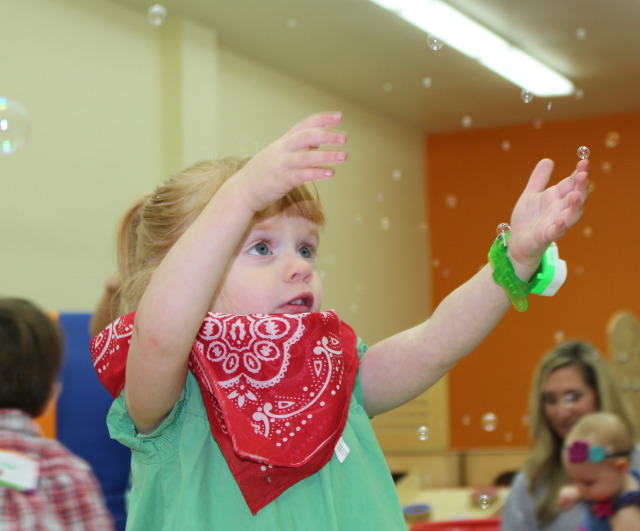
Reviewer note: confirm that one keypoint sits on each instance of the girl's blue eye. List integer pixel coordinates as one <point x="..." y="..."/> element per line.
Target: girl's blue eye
<point x="260" y="248"/>
<point x="305" y="251"/>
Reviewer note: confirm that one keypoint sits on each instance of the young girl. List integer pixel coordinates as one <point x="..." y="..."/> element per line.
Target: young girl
<point x="229" y="340"/>
<point x="597" y="459"/>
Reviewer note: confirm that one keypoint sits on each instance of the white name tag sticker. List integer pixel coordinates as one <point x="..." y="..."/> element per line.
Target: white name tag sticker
<point x="342" y="450"/>
<point x="18" y="471"/>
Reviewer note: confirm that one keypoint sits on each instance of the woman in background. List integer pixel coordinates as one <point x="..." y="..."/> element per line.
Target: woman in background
<point x="572" y="380"/>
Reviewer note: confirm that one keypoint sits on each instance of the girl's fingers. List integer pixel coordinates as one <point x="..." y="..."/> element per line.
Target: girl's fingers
<point x="314" y="138"/>
<point x="319" y="120"/>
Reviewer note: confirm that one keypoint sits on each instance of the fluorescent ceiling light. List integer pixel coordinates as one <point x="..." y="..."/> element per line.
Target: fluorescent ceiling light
<point x="470" y="38"/>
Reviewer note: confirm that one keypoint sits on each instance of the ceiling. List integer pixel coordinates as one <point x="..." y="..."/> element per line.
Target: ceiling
<point x="372" y="57"/>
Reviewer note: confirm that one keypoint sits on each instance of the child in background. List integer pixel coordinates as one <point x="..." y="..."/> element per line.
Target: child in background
<point x="42" y="484"/>
<point x="228" y="338"/>
<point x="597" y="459"/>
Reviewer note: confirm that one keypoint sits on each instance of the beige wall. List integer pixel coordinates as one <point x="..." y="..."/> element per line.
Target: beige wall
<point x="116" y="104"/>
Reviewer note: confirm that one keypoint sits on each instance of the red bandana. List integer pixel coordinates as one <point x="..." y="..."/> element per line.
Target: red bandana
<point x="276" y="389"/>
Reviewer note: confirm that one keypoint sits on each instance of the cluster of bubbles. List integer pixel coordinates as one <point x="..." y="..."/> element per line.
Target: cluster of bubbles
<point x="14" y="126"/>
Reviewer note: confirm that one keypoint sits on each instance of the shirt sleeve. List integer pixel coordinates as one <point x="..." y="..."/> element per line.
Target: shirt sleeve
<point x="152" y="447"/>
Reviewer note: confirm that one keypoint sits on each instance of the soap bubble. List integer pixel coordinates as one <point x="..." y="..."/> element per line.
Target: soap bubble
<point x="549" y="105"/>
<point x="451" y="201"/>
<point x="157" y="14"/>
<point x="466" y="420"/>
<point x="14" y="126"/>
<point x="484" y="501"/>
<point x="385" y="223"/>
<point x="423" y="433"/>
<point x="559" y="336"/>
<point x="581" y="34"/>
<point x="387" y="87"/>
<point x="605" y="167"/>
<point x="435" y="43"/>
<point x="466" y="121"/>
<point x="526" y="96"/>
<point x="506" y="145"/>
<point x="396" y="175"/>
<point x="489" y="421"/>
<point x="579" y="94"/>
<point x="612" y="139"/>
<point x="587" y="232"/>
<point x="292" y="23"/>
<point x="426" y="82"/>
<point x="584" y="152"/>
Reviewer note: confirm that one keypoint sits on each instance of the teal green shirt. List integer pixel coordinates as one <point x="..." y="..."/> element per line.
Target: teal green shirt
<point x="180" y="479"/>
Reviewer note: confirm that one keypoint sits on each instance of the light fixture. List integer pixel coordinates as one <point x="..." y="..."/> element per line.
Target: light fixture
<point x="470" y="38"/>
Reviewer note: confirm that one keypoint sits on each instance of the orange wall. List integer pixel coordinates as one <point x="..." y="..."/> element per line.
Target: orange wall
<point x="473" y="181"/>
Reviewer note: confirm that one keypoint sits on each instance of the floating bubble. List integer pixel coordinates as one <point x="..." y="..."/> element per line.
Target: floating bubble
<point x="605" y="167"/>
<point x="292" y="23"/>
<point x="587" y="232"/>
<point x="426" y="82"/>
<point x="612" y="139"/>
<point x="353" y="307"/>
<point x="423" y="227"/>
<point x="525" y="420"/>
<point x="435" y="263"/>
<point x="549" y="105"/>
<point x="579" y="269"/>
<point x="435" y="43"/>
<point x="385" y="223"/>
<point x="581" y="34"/>
<point x="380" y="197"/>
<point x="537" y="123"/>
<point x="14" y="126"/>
<point x="466" y="420"/>
<point x="526" y="96"/>
<point x="358" y="219"/>
<point x="489" y="421"/>
<point x="423" y="433"/>
<point x="396" y="175"/>
<point x="584" y="152"/>
<point x="467" y="121"/>
<point x="451" y="201"/>
<point x="506" y="145"/>
<point x="558" y="336"/>
<point x="157" y="14"/>
<point x="484" y="501"/>
<point x="446" y="272"/>
<point x="387" y="87"/>
<point x="579" y="94"/>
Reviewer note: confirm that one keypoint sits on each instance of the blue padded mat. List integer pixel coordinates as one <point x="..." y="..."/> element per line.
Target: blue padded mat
<point x="81" y="415"/>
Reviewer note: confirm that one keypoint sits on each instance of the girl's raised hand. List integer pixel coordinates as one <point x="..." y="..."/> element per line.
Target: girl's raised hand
<point x="292" y="160"/>
<point x="543" y="215"/>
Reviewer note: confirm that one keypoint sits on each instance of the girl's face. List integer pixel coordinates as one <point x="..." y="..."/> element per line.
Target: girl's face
<point x="597" y="481"/>
<point x="566" y="397"/>
<point x="274" y="270"/>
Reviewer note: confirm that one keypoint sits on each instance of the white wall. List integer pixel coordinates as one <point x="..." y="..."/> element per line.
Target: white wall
<point x="117" y="104"/>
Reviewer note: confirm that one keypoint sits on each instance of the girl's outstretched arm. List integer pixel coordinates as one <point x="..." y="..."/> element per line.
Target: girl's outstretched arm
<point x="401" y="367"/>
<point x="183" y="286"/>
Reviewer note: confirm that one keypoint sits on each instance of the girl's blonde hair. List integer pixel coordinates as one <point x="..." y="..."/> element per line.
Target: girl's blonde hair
<point x="544" y="466"/>
<point x="155" y="222"/>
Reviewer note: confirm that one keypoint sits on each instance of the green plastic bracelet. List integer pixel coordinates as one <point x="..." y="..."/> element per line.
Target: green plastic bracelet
<point x="504" y="274"/>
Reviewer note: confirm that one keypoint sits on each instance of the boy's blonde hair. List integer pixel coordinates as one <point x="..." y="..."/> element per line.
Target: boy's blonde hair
<point x="155" y="222"/>
<point x="544" y="468"/>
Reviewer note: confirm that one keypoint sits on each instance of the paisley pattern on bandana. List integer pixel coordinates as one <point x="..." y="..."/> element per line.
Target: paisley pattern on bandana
<point x="276" y="389"/>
